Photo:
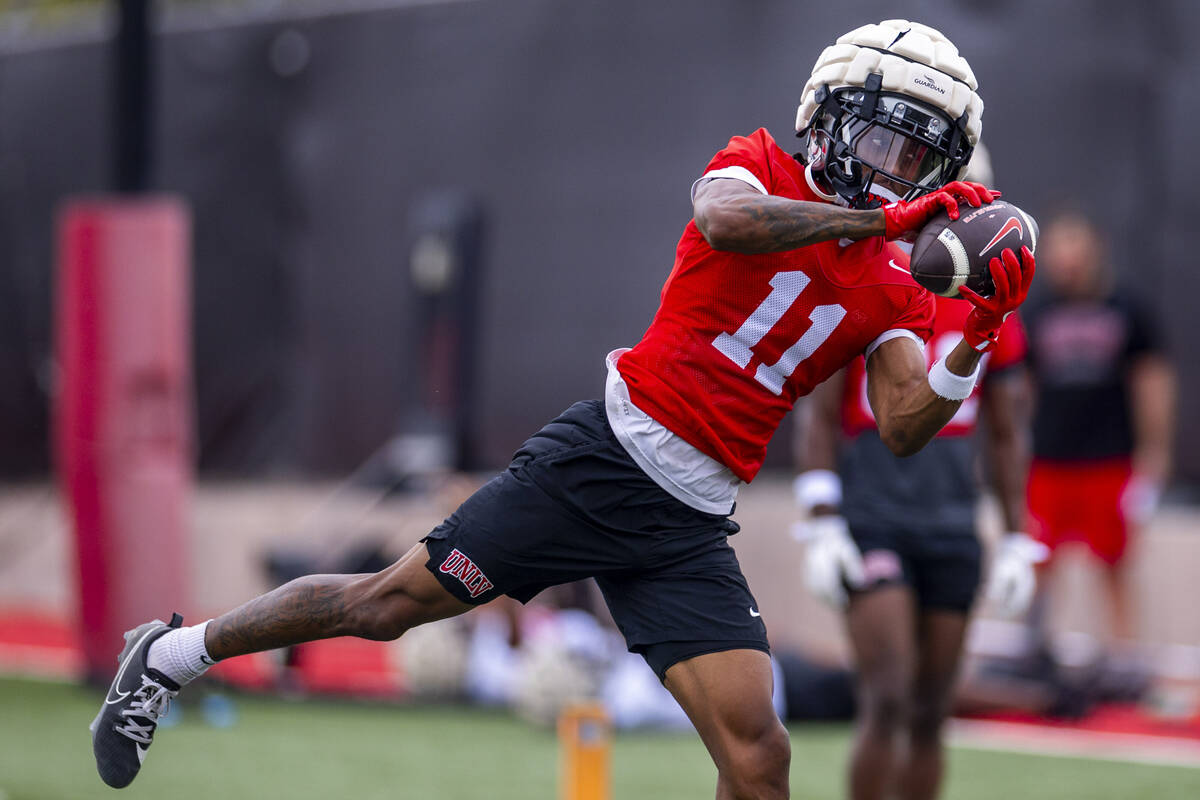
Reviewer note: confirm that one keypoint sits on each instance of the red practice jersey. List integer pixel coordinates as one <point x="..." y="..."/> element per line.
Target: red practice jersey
<point x="738" y="338"/>
<point x="947" y="332"/>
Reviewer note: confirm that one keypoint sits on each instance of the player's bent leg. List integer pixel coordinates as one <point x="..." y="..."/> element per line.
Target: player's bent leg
<point x="882" y="629"/>
<point x="727" y="696"/>
<point x="378" y="606"/>
<point x="939" y="654"/>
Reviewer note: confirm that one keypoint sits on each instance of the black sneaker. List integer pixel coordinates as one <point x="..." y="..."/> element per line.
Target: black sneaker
<point x="137" y="698"/>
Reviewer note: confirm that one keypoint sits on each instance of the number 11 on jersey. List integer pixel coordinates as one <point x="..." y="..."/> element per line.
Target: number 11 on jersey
<point x="786" y="288"/>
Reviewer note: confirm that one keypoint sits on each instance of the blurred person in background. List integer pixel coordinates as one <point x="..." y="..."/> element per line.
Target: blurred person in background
<point x="783" y="276"/>
<point x="1105" y="411"/>
<point x="894" y="542"/>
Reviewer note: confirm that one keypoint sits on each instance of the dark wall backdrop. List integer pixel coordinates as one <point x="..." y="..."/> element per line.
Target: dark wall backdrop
<point x="306" y="145"/>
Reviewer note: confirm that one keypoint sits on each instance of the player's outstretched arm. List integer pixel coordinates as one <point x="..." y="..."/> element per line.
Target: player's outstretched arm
<point x="735" y="217"/>
<point x="910" y="405"/>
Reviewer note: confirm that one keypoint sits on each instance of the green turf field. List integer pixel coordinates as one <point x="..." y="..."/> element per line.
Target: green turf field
<point x="280" y="749"/>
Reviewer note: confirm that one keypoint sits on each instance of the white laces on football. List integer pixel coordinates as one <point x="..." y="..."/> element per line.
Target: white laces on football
<point x="150" y="702"/>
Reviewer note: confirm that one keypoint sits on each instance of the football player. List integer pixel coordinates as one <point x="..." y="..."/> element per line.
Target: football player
<point x="900" y="536"/>
<point x="787" y="272"/>
<point x="1105" y="414"/>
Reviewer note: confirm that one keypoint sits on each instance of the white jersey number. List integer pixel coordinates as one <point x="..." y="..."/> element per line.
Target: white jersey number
<point x="786" y="287"/>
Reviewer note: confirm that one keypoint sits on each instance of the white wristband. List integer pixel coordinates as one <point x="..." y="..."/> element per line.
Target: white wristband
<point x="817" y="487"/>
<point x="947" y="385"/>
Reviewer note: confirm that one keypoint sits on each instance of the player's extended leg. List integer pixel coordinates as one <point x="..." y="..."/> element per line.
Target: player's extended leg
<point x="940" y="644"/>
<point x="727" y="695"/>
<point x="380" y="606"/>
<point x="882" y="628"/>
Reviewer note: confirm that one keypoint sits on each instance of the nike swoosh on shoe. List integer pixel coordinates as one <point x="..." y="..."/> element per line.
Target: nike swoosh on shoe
<point x="109" y="700"/>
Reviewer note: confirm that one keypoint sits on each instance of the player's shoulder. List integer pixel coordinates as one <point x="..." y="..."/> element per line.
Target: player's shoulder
<point x="759" y="143"/>
<point x="759" y="153"/>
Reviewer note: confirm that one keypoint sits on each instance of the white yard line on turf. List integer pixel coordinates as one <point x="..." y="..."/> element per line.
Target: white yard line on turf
<point x="1014" y="737"/>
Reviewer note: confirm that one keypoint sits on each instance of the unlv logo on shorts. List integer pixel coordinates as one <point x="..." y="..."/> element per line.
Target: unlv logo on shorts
<point x="464" y="569"/>
<point x="881" y="565"/>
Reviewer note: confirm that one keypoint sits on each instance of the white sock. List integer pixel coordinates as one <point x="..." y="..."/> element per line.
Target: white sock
<point x="180" y="654"/>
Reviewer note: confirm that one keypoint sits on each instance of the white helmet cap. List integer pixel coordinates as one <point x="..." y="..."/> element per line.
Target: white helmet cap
<point x="914" y="60"/>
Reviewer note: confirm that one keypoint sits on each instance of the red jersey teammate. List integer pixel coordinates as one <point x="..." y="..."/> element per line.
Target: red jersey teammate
<point x="900" y="535"/>
<point x="786" y="273"/>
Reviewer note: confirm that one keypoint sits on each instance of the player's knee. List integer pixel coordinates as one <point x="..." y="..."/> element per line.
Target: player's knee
<point x="381" y="629"/>
<point x="759" y="766"/>
<point x="775" y="750"/>
<point x="925" y="724"/>
<point x="380" y="609"/>
<point x="886" y="708"/>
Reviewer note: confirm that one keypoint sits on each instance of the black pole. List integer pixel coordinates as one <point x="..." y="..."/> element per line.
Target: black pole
<point x="132" y="112"/>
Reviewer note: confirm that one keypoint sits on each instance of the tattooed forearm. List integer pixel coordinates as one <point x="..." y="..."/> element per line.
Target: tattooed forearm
<point x="308" y="608"/>
<point x="770" y="224"/>
<point x="782" y="224"/>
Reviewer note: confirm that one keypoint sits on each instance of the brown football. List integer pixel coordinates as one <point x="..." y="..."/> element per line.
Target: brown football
<point x="949" y="254"/>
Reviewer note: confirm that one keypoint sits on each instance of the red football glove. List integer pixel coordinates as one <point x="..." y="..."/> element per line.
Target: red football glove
<point x="1012" y="279"/>
<point x="903" y="220"/>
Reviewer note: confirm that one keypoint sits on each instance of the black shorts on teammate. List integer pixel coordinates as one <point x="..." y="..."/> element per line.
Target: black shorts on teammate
<point x="943" y="569"/>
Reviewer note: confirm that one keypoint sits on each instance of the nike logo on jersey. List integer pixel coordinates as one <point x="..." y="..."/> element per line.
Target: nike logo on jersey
<point x="754" y="613"/>
<point x="115" y="688"/>
<point x="892" y="263"/>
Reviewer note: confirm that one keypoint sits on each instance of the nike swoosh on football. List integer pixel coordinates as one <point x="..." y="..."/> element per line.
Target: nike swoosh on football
<point x="1013" y="224"/>
<point x="892" y="263"/>
<point x="108" y="701"/>
<point x="754" y="613"/>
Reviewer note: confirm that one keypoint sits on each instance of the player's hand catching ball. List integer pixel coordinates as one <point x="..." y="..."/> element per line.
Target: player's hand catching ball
<point x="903" y="220"/>
<point x="1012" y="279"/>
<point x="1012" y="580"/>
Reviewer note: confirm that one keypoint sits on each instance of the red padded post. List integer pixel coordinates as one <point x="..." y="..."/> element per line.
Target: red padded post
<point x="122" y="411"/>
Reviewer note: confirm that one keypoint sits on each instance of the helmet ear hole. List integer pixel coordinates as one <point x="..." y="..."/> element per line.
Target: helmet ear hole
<point x="850" y="175"/>
<point x="842" y="166"/>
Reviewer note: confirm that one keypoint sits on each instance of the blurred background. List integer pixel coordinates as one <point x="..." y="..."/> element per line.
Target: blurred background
<point x="413" y="230"/>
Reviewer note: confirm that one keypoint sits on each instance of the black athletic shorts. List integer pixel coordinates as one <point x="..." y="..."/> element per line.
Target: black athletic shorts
<point x="942" y="567"/>
<point x="573" y="504"/>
